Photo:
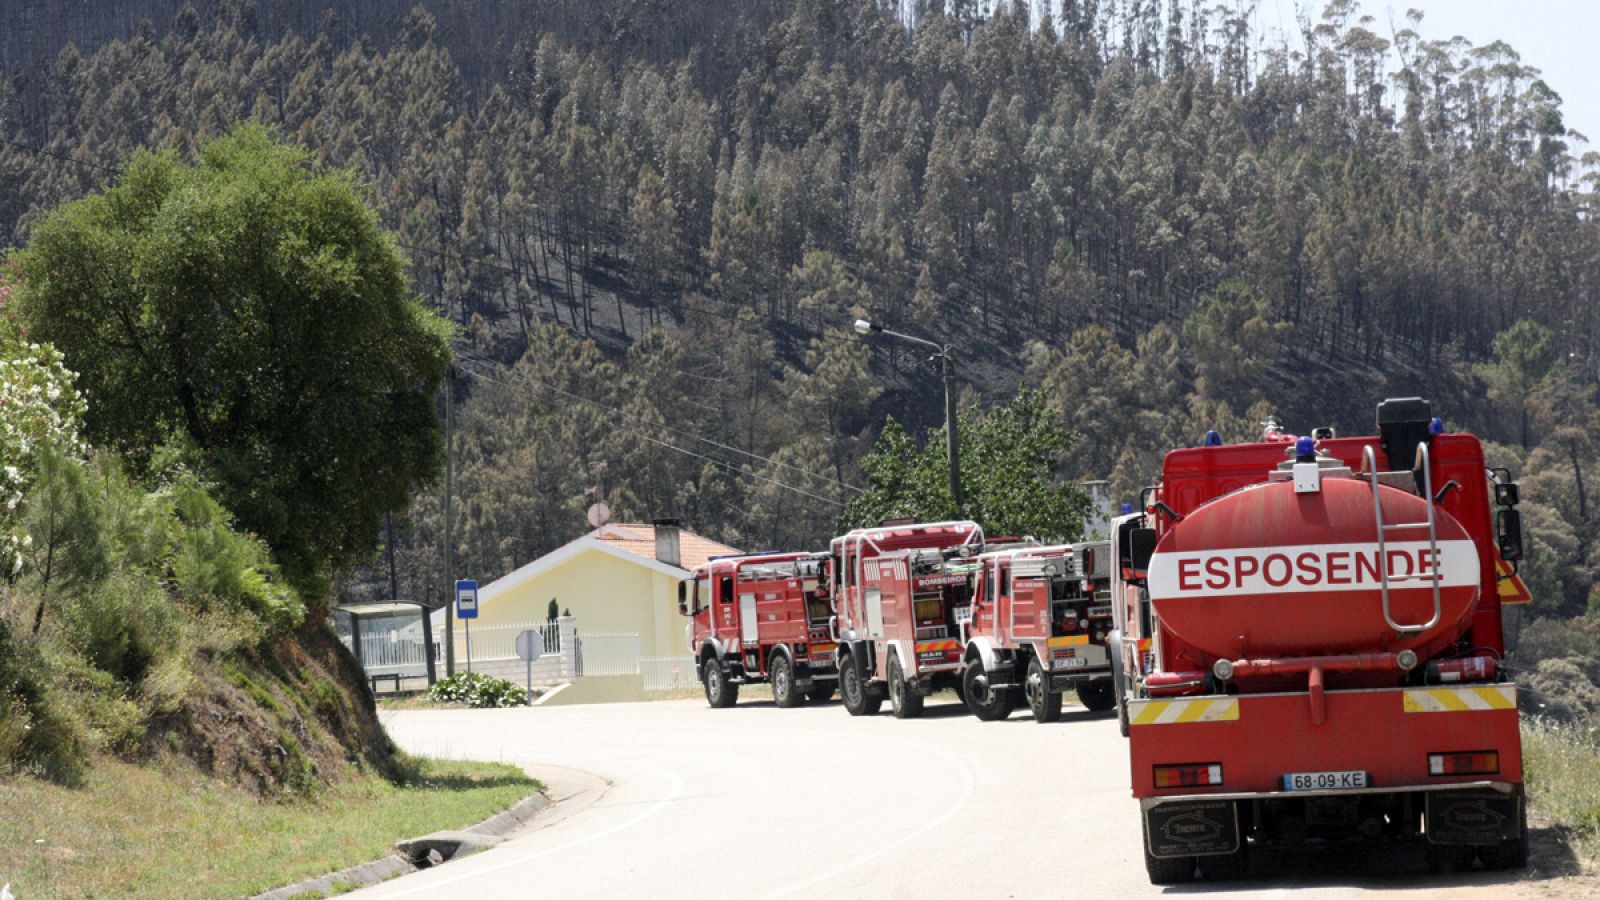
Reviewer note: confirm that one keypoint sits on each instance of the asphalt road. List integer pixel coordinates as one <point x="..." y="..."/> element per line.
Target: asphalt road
<point x="672" y="799"/>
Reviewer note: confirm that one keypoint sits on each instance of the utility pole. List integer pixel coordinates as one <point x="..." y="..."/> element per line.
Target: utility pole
<point x="449" y="547"/>
<point x="952" y="437"/>
<point x="946" y="356"/>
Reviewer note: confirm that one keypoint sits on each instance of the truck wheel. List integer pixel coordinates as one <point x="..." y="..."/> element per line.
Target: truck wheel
<point x="1045" y="703"/>
<point x="1227" y="866"/>
<point x="1166" y="869"/>
<point x="858" y="701"/>
<point x="720" y="692"/>
<point x="903" y="698"/>
<point x="781" y="671"/>
<point x="822" y="693"/>
<point x="986" y="703"/>
<point x="1447" y="859"/>
<point x="1096" y="695"/>
<point x="1121" y="699"/>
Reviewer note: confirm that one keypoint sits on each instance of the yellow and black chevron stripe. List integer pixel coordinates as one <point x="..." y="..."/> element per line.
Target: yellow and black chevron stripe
<point x="1461" y="699"/>
<point x="1181" y="712"/>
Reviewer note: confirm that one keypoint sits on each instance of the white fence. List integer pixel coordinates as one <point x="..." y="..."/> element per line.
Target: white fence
<point x="665" y="673"/>
<point x="567" y="654"/>
<point x="491" y="642"/>
<point x="607" y="653"/>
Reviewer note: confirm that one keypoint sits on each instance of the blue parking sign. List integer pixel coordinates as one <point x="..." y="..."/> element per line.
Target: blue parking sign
<point x="467" y="599"/>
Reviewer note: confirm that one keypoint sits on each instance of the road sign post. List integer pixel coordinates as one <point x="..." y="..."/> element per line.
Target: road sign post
<point x="529" y="645"/>
<point x="467" y="610"/>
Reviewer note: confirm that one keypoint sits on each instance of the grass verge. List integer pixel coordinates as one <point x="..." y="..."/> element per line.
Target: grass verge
<point x="165" y="830"/>
<point x="1561" y="765"/>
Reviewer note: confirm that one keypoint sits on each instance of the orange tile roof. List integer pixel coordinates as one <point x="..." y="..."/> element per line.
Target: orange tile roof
<point x="640" y="540"/>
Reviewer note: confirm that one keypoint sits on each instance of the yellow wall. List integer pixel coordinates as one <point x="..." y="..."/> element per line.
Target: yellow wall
<point x="604" y="593"/>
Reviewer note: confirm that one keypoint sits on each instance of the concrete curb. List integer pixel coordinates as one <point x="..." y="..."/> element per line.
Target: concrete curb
<point x="458" y="843"/>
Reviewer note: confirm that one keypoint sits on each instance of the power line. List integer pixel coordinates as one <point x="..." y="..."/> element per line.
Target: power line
<point x="663" y="426"/>
<point x="724" y="464"/>
<point x="114" y="170"/>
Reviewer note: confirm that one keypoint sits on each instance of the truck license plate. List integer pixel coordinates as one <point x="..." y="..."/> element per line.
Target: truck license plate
<point x="1323" y="781"/>
<point x="1070" y="662"/>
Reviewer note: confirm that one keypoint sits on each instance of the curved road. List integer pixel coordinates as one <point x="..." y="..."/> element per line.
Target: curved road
<point x="672" y="799"/>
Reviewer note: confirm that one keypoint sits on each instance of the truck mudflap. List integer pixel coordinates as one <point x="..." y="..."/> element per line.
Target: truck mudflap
<point x="1193" y="828"/>
<point x="1481" y="817"/>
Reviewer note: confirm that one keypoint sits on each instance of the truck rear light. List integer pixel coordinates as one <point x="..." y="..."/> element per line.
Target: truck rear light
<point x="1188" y="775"/>
<point x="1475" y="762"/>
<point x="1470" y="668"/>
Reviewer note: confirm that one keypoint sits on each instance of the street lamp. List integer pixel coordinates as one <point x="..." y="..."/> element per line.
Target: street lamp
<point x="945" y="354"/>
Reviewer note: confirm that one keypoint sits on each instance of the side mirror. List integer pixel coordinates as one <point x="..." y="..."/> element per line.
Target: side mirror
<point x="1508" y="533"/>
<point x="1507" y="494"/>
<point x="1141" y="545"/>
<point x="683" y="598"/>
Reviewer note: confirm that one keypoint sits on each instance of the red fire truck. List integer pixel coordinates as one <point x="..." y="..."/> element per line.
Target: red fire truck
<point x="1310" y="631"/>
<point x="1038" y="625"/>
<point x="761" y="619"/>
<point x="899" y="594"/>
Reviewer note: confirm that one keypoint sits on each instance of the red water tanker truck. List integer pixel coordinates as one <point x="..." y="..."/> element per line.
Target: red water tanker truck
<point x="1309" y="632"/>
<point x="757" y="619"/>
<point x="1038" y="626"/>
<point x="899" y="593"/>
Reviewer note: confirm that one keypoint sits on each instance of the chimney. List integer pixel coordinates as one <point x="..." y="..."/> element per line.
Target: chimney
<point x="667" y="548"/>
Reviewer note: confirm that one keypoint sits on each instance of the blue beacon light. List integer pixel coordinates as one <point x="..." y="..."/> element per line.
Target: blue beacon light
<point x="1435" y="426"/>
<point x="1305" y="449"/>
<point x="1213" y="439"/>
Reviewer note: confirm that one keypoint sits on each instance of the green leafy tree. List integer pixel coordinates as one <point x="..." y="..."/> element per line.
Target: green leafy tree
<point x="1010" y="457"/>
<point x="249" y="312"/>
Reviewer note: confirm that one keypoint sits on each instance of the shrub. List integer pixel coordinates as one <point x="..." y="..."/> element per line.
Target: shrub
<point x="216" y="566"/>
<point x="35" y="735"/>
<point x="1559" y="690"/>
<point x="478" y="691"/>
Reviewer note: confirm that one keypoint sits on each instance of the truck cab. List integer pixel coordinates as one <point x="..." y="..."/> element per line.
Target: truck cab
<point x="762" y="618"/>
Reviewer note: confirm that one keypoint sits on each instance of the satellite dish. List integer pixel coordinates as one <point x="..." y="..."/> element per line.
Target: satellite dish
<point x="598" y="514"/>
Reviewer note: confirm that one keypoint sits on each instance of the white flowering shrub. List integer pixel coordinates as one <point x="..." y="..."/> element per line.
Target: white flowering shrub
<point x="39" y="408"/>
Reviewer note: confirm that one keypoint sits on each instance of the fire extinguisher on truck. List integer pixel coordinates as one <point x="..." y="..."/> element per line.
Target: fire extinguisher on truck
<point x="1308" y="638"/>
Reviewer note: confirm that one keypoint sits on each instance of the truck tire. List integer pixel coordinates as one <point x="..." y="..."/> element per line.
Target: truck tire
<point x="1121" y="700"/>
<point x="1096" y="695"/>
<point x="1165" y="869"/>
<point x="781" y="671"/>
<point x="858" y="700"/>
<point x="1227" y="866"/>
<point x="904" y="700"/>
<point x="1045" y="703"/>
<point x="988" y="704"/>
<point x="720" y="692"/>
<point x="1448" y="859"/>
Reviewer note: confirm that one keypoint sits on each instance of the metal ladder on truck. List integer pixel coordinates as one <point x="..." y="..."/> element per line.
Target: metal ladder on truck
<point x="1369" y="461"/>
